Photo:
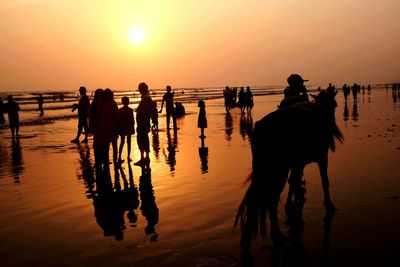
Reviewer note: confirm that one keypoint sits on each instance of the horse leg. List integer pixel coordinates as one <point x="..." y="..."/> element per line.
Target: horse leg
<point x="295" y="180"/>
<point x="323" y="169"/>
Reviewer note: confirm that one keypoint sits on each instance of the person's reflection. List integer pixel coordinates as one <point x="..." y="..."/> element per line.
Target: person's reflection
<point x="172" y="145"/>
<point x="156" y="144"/>
<point x="394" y="95"/>
<point x="355" y="112"/>
<point x="148" y="204"/>
<point x="109" y="215"/>
<point x="246" y="125"/>
<point x="129" y="199"/>
<point x="228" y="127"/>
<point x="17" y="167"/>
<point x="87" y="170"/>
<point x="346" y="112"/>
<point x="203" y="153"/>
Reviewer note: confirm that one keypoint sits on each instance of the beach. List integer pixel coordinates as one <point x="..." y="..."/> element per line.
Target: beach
<point x="49" y="212"/>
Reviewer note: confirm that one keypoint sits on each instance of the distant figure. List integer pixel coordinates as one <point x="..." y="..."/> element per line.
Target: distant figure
<point x="13" y="117"/>
<point x="227" y="99"/>
<point x="40" y="104"/>
<point x="202" y="119"/>
<point x="126" y="122"/>
<point x="354" y="90"/>
<point x="168" y="98"/>
<point x="2" y="121"/>
<point x="83" y="114"/>
<point x="179" y="109"/>
<point x="369" y="89"/>
<point x="296" y="91"/>
<point x="154" y="117"/>
<point x="346" y="92"/>
<point x="249" y="100"/>
<point x="242" y="99"/>
<point x="61" y="97"/>
<point x="143" y="115"/>
<point x="363" y="89"/>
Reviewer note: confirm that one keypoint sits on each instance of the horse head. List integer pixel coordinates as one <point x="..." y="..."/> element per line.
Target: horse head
<point x="326" y="98"/>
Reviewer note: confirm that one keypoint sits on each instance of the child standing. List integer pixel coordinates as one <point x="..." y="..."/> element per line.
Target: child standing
<point x="202" y="120"/>
<point x="154" y="117"/>
<point x="126" y="127"/>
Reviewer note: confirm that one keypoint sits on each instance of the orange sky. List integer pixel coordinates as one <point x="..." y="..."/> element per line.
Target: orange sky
<point x="62" y="44"/>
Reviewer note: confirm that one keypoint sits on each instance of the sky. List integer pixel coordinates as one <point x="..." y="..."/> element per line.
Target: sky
<point x="63" y="44"/>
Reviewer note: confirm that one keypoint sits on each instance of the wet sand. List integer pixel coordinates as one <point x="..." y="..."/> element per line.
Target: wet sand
<point x="49" y="213"/>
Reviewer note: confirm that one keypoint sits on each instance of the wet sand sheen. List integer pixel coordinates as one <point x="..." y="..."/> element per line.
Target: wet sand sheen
<point x="47" y="217"/>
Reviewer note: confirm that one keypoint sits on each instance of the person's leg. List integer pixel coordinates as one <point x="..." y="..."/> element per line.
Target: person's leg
<point x="115" y="149"/>
<point x="85" y="127"/>
<point x="168" y="114"/>
<point x="121" y="147"/>
<point x="174" y="120"/>
<point x="128" y="141"/>
<point x="12" y="128"/>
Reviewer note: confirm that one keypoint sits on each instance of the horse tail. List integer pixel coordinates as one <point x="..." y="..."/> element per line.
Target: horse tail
<point x="252" y="212"/>
<point x="336" y="134"/>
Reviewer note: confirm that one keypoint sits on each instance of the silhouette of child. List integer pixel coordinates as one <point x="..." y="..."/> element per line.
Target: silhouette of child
<point x="126" y="127"/>
<point x="202" y="119"/>
<point x="154" y="117"/>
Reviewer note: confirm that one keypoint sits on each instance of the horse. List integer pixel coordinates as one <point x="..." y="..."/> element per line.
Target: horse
<point x="284" y="142"/>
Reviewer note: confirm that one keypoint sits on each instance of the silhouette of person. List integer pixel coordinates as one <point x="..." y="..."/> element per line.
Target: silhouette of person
<point x="227" y="98"/>
<point x="202" y="119"/>
<point x="354" y="91"/>
<point x="346" y="91"/>
<point x="83" y="113"/>
<point x="203" y="153"/>
<point x="295" y="92"/>
<point x="94" y="125"/>
<point x="143" y="115"/>
<point x="148" y="204"/>
<point x="40" y="101"/>
<point x="126" y="122"/>
<point x="249" y="99"/>
<point x="168" y="98"/>
<point x="242" y="100"/>
<point x="2" y="120"/>
<point x="154" y="117"/>
<point x="13" y="116"/>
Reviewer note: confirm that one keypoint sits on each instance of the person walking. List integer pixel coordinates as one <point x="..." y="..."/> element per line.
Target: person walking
<point x="168" y="98"/>
<point x="12" y="109"/>
<point x="83" y="113"/>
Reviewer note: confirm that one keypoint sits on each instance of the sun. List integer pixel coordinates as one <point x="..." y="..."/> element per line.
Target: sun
<point x="137" y="35"/>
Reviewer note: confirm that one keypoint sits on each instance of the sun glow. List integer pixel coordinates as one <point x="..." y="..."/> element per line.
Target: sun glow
<point x="137" y="35"/>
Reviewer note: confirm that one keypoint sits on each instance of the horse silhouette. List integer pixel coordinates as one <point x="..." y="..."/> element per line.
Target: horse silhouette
<point x="284" y="142"/>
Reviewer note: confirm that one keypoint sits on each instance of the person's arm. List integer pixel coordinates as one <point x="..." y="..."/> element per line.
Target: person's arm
<point x="162" y="104"/>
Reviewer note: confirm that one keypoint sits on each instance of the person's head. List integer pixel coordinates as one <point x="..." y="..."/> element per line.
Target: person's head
<point x="82" y="90"/>
<point x="108" y="95"/>
<point x="125" y="101"/>
<point x="248" y="88"/>
<point x="295" y="80"/>
<point x="98" y="94"/>
<point x="241" y="88"/>
<point x="168" y="88"/>
<point x="10" y="98"/>
<point x="143" y="88"/>
<point x="201" y="104"/>
<point x="227" y="88"/>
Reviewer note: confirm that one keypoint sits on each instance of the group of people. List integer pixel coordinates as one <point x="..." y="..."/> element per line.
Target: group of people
<point x="106" y="122"/>
<point x="245" y="98"/>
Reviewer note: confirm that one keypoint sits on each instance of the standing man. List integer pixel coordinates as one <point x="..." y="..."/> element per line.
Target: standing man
<point x="40" y="104"/>
<point x="143" y="115"/>
<point x="83" y="113"/>
<point x="168" y="98"/>
<point x="13" y="117"/>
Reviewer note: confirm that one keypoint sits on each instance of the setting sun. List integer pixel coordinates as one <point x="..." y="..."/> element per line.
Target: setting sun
<point x="137" y="35"/>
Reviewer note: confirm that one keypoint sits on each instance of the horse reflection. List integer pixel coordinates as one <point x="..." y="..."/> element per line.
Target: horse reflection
<point x="203" y="153"/>
<point x="286" y="141"/>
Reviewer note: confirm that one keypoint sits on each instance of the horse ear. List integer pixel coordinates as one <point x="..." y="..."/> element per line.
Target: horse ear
<point x="313" y="96"/>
